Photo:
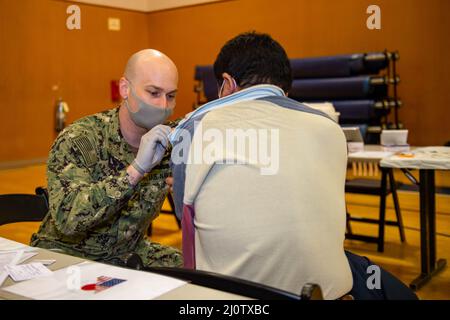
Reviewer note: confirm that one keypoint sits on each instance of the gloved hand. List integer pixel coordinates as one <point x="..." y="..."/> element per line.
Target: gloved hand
<point x="152" y="148"/>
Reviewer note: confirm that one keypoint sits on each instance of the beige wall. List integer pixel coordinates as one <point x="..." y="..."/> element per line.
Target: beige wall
<point x="37" y="51"/>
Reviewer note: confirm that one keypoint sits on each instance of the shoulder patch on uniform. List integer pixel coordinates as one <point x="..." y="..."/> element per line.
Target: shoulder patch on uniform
<point x="87" y="150"/>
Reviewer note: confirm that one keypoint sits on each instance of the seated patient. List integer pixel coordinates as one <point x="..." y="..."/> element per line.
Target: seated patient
<point x="262" y="177"/>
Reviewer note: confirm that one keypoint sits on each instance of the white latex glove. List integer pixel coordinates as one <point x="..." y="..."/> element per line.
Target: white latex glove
<point x="152" y="148"/>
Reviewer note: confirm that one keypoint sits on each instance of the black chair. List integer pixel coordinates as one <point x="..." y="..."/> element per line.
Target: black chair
<point x="237" y="286"/>
<point x="381" y="189"/>
<point x="23" y="207"/>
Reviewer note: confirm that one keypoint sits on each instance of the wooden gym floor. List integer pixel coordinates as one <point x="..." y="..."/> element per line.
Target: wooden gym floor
<point x="401" y="259"/>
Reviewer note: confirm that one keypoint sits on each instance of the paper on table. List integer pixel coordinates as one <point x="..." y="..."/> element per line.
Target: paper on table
<point x="7" y="257"/>
<point x="63" y="284"/>
<point x="15" y="259"/>
<point x="7" y="245"/>
<point x="28" y="271"/>
<point x="12" y="257"/>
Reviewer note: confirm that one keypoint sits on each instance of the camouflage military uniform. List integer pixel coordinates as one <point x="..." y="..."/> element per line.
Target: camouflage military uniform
<point x="94" y="212"/>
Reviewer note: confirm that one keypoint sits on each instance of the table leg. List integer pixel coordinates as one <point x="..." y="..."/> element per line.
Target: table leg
<point x="382" y="217"/>
<point x="427" y="231"/>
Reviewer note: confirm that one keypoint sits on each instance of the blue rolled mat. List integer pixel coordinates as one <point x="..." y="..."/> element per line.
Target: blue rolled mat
<point x="331" y="88"/>
<point x="202" y="71"/>
<point x="326" y="67"/>
<point x="206" y="75"/>
<point x="339" y="65"/>
<point x="355" y="110"/>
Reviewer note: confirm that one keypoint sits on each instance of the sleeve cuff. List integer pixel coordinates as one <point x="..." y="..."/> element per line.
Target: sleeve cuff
<point x="118" y="187"/>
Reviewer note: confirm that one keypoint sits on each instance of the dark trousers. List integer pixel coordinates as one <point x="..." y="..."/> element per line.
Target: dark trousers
<point x="390" y="287"/>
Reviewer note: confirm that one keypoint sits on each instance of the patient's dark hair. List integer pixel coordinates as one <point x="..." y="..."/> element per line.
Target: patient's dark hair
<point x="254" y="58"/>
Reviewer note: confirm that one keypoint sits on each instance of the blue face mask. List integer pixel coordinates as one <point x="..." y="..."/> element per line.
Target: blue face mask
<point x="147" y="116"/>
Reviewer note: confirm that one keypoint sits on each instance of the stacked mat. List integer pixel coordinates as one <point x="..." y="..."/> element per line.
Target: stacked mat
<point x="358" y="86"/>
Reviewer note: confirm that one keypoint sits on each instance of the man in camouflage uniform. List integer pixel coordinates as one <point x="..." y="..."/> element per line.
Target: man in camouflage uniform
<point x="106" y="172"/>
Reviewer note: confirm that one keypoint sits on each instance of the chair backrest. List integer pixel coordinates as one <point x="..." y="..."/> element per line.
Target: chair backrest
<point x="238" y="286"/>
<point x="23" y="207"/>
<point x="42" y="191"/>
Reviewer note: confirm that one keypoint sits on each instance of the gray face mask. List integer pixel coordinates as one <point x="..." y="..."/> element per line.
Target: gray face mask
<point x="147" y="116"/>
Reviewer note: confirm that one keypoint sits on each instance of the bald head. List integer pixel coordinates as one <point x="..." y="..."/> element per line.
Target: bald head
<point x="146" y="61"/>
<point x="152" y="76"/>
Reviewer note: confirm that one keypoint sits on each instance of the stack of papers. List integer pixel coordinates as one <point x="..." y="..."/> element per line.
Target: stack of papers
<point x="27" y="271"/>
<point x="12" y="254"/>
